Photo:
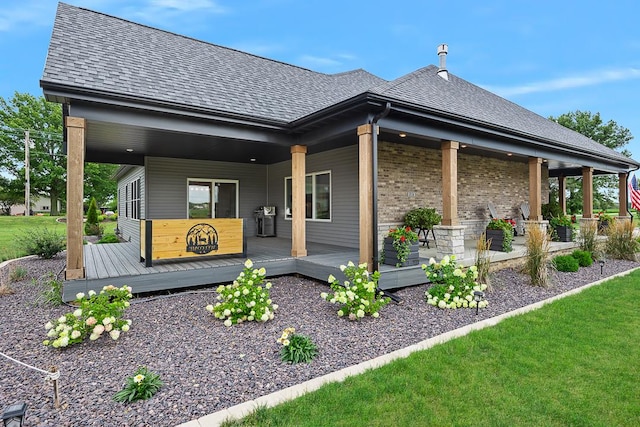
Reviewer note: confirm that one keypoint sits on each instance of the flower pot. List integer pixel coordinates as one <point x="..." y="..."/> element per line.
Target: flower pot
<point x="497" y="239"/>
<point x="564" y="233"/>
<point x="391" y="255"/>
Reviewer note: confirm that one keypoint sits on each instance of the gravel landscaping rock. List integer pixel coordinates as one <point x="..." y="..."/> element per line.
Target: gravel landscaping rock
<point x="206" y="366"/>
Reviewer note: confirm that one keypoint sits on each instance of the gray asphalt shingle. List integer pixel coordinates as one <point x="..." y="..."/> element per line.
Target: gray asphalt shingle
<point x="97" y="52"/>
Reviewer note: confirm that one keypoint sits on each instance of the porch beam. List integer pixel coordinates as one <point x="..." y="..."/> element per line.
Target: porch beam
<point x="298" y="211"/>
<point x="587" y="192"/>
<point x="450" y="183"/>
<point x="622" y="193"/>
<point x="365" y="191"/>
<point x="535" y="188"/>
<point x="75" y="181"/>
<point x="562" y="194"/>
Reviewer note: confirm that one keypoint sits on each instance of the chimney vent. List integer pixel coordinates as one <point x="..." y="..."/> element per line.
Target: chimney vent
<point x="443" y="49"/>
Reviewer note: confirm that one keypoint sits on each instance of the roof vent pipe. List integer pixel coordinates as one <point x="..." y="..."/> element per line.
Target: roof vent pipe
<point x="443" y="49"/>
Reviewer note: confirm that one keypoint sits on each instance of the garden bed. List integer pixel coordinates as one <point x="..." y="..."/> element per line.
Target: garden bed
<point x="206" y="366"/>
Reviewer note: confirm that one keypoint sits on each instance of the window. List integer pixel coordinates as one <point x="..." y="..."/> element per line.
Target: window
<point x="132" y="200"/>
<point x="212" y="198"/>
<point x="317" y="196"/>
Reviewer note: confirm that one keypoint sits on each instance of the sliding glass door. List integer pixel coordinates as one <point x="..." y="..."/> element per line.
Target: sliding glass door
<point x="213" y="198"/>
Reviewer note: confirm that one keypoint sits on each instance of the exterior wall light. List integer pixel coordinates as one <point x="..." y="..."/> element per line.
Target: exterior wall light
<point x="13" y="415"/>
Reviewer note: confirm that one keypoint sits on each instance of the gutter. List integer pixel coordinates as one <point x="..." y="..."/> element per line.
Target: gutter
<point x="374" y="180"/>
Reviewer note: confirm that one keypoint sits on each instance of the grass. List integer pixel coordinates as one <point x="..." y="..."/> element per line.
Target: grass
<point x="573" y="362"/>
<point x="11" y="227"/>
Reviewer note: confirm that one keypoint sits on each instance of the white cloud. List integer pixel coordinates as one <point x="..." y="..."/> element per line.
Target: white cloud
<point x="187" y="5"/>
<point x="592" y="78"/>
<point x="316" y="61"/>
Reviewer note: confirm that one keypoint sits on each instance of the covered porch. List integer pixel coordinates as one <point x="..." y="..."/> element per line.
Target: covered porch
<point x="117" y="264"/>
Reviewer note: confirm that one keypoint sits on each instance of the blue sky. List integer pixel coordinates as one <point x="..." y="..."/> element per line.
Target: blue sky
<point x="551" y="57"/>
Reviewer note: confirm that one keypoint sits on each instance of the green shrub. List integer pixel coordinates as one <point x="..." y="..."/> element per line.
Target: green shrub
<point x="42" y="242"/>
<point x="566" y="263"/>
<point x="452" y="287"/>
<point x="93" y="229"/>
<point x="584" y="258"/>
<point x="52" y="293"/>
<point x="101" y="218"/>
<point x="109" y="238"/>
<point x="422" y="218"/>
<point x="296" y="348"/>
<point x="18" y="274"/>
<point x="143" y="385"/>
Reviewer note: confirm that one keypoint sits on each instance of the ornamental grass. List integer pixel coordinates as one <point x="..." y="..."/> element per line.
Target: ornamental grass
<point x="536" y="264"/>
<point x="621" y="243"/>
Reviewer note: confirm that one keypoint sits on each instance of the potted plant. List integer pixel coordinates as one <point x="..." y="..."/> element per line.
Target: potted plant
<point x="500" y="233"/>
<point x="401" y="247"/>
<point x="604" y="219"/>
<point x="422" y="220"/>
<point x="562" y="228"/>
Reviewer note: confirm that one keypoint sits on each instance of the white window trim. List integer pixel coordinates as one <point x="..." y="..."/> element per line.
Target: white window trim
<point x="313" y="196"/>
<point x="213" y="183"/>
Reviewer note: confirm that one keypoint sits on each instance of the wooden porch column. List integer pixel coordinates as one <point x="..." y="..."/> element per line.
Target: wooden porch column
<point x="298" y="194"/>
<point x="535" y="189"/>
<point x="587" y="192"/>
<point x="622" y="194"/>
<point x="75" y="182"/>
<point x="562" y="194"/>
<point x="450" y="183"/>
<point x="365" y="190"/>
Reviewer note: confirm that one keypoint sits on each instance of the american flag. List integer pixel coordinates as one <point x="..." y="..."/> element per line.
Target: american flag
<point x="634" y="193"/>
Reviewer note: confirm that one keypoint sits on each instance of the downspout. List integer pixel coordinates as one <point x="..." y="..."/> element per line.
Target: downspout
<point x="374" y="180"/>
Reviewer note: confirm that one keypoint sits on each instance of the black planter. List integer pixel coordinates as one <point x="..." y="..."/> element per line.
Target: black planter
<point x="497" y="239"/>
<point x="391" y="255"/>
<point x="564" y="232"/>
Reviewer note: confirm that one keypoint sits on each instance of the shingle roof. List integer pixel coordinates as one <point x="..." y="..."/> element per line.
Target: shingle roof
<point x="107" y="54"/>
<point x="97" y="52"/>
<point x="459" y="98"/>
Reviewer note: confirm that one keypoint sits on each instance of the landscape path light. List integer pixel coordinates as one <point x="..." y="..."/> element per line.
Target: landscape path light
<point x="477" y="297"/>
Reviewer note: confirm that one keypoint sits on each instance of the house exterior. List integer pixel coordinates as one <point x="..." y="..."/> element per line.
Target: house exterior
<point x="204" y="131"/>
<point x="39" y="205"/>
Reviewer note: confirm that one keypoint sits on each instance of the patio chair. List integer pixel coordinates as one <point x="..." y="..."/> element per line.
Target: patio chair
<point x="525" y="212"/>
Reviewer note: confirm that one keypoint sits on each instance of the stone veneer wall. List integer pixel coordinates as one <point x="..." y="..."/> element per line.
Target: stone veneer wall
<point x="410" y="177"/>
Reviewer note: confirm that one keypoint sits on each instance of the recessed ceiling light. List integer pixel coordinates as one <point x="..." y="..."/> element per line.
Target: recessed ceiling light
<point x="509" y="154"/>
<point x="402" y="135"/>
<point x="129" y="150"/>
<point x="253" y="160"/>
<point x="463" y="146"/>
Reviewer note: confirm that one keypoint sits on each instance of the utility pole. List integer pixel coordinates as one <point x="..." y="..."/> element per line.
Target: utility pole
<point x="27" y="176"/>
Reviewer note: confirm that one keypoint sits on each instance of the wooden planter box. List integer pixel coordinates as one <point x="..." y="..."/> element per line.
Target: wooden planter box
<point x="497" y="239"/>
<point x="391" y="256"/>
<point x="565" y="233"/>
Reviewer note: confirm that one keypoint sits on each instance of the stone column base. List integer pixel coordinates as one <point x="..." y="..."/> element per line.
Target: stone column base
<point x="544" y="225"/>
<point x="450" y="240"/>
<point x="587" y="223"/>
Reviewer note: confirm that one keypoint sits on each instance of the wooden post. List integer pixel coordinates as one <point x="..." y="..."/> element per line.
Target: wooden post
<point x="56" y="388"/>
<point x="622" y="194"/>
<point x="562" y="194"/>
<point x="450" y="183"/>
<point x="535" y="189"/>
<point x="587" y="192"/>
<point x="75" y="181"/>
<point x="365" y="166"/>
<point x="298" y="193"/>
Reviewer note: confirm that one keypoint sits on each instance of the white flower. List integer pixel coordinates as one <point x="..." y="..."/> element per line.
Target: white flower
<point x="106" y="321"/>
<point x="323" y="295"/>
<point x="236" y="294"/>
<point x="48" y="325"/>
<point x="340" y="313"/>
<point x="52" y="333"/>
<point x="265" y="317"/>
<point x="62" y="319"/>
<point x="92" y="293"/>
<point x="262" y="271"/>
<point x="94" y="337"/>
<point x="125" y="328"/>
<point x="77" y="312"/>
<point x="228" y="323"/>
<point x="227" y="312"/>
<point x="445" y="260"/>
<point x="360" y="313"/>
<point x="79" y="295"/>
<point x="432" y="261"/>
<point x="442" y="304"/>
<point x="75" y="334"/>
<point x="209" y="308"/>
<point x="268" y="285"/>
<point x="343" y="267"/>
<point x="332" y="279"/>
<point x="275" y="306"/>
<point x="248" y="263"/>
<point x="138" y="378"/>
<point x="350" y="264"/>
<point x="376" y="314"/>
<point x="115" y="334"/>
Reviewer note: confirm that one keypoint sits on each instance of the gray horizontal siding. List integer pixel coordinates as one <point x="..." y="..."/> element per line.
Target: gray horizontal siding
<point x="167" y="186"/>
<point x="343" y="228"/>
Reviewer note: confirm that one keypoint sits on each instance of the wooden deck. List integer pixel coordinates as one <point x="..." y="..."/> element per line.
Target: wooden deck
<point x="119" y="264"/>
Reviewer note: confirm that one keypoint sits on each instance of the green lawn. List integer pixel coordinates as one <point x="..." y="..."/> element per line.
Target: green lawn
<point x="573" y="362"/>
<point x="13" y="227"/>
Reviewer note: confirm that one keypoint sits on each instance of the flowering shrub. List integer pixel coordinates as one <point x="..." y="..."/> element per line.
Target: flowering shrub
<point x="296" y="348"/>
<point x="246" y="299"/>
<point x="453" y="287"/>
<point x="402" y="238"/>
<point x="359" y="295"/>
<point x="142" y="385"/>
<point x="98" y="313"/>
